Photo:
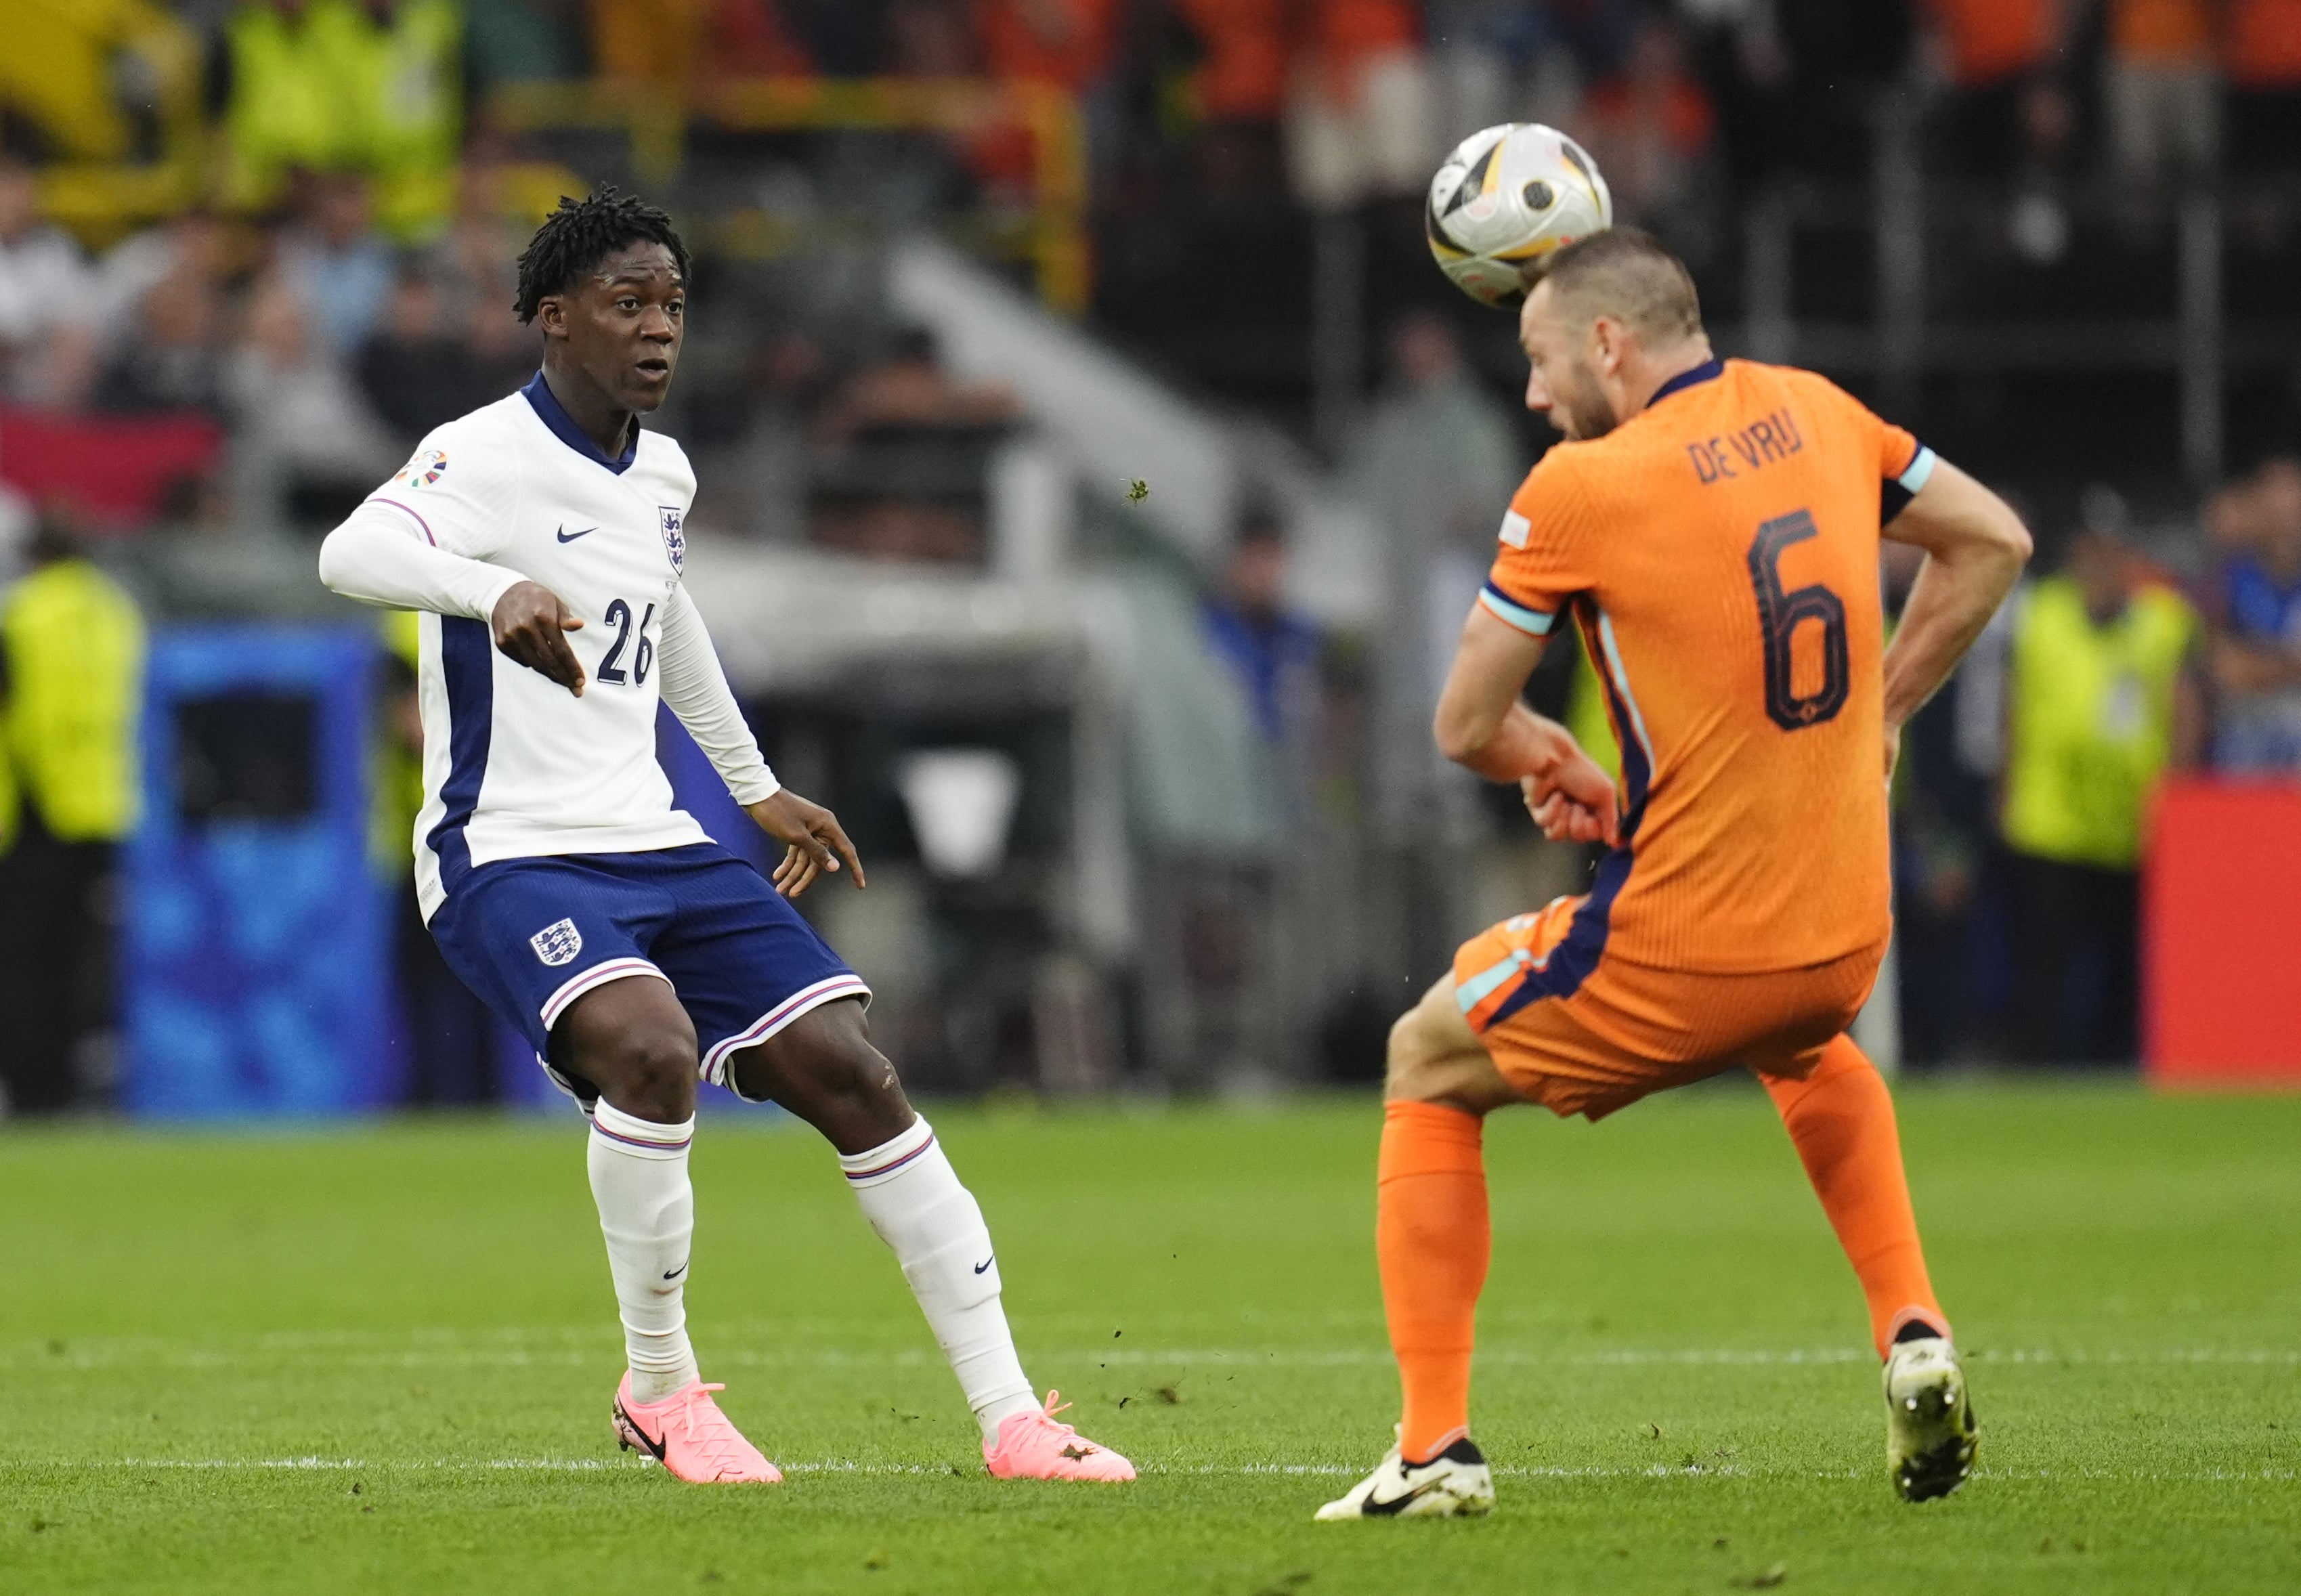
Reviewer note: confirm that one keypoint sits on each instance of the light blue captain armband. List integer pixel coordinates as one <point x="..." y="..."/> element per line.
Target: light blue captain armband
<point x="1920" y="468"/>
<point x="1534" y="622"/>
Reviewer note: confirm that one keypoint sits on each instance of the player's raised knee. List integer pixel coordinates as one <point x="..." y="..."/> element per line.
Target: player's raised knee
<point x="1410" y="1069"/>
<point x="822" y="1067"/>
<point x="1436" y="1059"/>
<point x="658" y="1072"/>
<point x="641" y="1054"/>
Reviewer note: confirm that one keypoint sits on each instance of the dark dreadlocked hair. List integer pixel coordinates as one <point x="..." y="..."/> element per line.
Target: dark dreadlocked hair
<point x="574" y="239"/>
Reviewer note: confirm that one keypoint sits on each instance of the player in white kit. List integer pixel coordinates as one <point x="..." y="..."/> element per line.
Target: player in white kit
<point x="543" y="538"/>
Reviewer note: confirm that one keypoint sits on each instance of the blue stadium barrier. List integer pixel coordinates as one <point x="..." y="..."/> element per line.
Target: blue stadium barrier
<point x="256" y="968"/>
<point x="253" y="938"/>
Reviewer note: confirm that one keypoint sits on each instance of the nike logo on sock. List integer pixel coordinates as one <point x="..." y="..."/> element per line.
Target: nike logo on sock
<point x="986" y="1263"/>
<point x="565" y="536"/>
<point x="675" y="1274"/>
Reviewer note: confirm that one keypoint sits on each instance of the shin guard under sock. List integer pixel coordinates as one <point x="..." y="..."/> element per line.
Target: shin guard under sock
<point x="1841" y="1119"/>
<point x="647" y="1212"/>
<point x="1433" y="1239"/>
<point x="913" y="1199"/>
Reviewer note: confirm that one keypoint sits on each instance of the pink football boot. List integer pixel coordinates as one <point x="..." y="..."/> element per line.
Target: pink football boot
<point x="688" y="1434"/>
<point x="1033" y="1446"/>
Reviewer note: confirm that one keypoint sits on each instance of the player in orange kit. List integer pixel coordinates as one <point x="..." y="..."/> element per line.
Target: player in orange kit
<point x="1712" y="527"/>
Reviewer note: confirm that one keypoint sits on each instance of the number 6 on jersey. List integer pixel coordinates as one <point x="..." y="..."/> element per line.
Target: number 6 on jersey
<point x="1780" y="614"/>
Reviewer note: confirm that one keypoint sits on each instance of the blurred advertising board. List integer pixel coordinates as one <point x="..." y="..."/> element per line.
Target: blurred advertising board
<point x="2221" y="935"/>
<point x="254" y="958"/>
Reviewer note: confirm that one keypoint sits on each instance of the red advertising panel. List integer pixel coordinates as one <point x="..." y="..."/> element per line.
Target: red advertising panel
<point x="2221" y="935"/>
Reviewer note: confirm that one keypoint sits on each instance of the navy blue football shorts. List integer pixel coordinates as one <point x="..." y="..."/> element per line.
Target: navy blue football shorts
<point x="531" y="936"/>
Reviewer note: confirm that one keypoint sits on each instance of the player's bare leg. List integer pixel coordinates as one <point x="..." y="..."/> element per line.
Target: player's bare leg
<point x="823" y="1068"/>
<point x="1840" y="1116"/>
<point x="633" y="1041"/>
<point x="1432" y="1240"/>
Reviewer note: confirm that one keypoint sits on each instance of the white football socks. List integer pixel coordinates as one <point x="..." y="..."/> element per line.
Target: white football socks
<point x="912" y="1197"/>
<point x="647" y="1210"/>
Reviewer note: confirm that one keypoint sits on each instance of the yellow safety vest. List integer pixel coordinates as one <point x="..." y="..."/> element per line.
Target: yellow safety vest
<point x="334" y="91"/>
<point x="285" y="109"/>
<point x="2091" y="720"/>
<point x="8" y="804"/>
<point x="1585" y="710"/>
<point x="58" y="69"/>
<point x="409" y="99"/>
<point x="397" y="794"/>
<point x="75" y="649"/>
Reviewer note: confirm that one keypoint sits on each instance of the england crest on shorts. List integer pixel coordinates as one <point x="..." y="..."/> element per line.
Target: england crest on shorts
<point x="674" y="536"/>
<point x="558" y="944"/>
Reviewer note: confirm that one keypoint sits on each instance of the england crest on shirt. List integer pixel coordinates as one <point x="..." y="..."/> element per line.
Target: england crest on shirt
<point x="557" y="944"/>
<point x="674" y="538"/>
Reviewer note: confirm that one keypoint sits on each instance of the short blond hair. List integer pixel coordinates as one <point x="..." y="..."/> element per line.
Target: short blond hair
<point x="1626" y="274"/>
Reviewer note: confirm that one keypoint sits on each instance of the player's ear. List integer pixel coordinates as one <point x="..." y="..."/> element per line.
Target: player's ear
<point x="1606" y="349"/>
<point x="552" y="315"/>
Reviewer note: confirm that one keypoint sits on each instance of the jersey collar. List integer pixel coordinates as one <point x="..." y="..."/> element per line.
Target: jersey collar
<point x="548" y="406"/>
<point x="1709" y="370"/>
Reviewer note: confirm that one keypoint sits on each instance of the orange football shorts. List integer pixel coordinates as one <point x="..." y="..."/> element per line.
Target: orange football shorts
<point x="1580" y="1032"/>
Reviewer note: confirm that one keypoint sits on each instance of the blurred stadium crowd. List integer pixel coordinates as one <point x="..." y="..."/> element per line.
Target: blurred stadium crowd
<point x="251" y="251"/>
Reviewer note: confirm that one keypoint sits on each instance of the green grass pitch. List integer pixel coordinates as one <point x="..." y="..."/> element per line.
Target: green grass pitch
<point x="380" y="1359"/>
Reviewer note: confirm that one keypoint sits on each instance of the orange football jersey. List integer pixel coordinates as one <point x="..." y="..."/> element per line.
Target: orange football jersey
<point x="1720" y="552"/>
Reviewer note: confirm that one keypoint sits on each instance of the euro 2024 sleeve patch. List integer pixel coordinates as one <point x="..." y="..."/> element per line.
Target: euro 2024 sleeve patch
<point x="427" y="468"/>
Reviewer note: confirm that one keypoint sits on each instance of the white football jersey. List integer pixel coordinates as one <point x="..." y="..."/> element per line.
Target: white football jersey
<point x="514" y="766"/>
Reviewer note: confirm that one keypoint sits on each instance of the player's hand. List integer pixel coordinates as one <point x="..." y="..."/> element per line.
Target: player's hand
<point x="529" y="623"/>
<point x="1573" y="801"/>
<point x="813" y="839"/>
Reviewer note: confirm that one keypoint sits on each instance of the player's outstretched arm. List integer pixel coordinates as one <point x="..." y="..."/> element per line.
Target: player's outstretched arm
<point x="377" y="557"/>
<point x="1975" y="549"/>
<point x="1484" y="725"/>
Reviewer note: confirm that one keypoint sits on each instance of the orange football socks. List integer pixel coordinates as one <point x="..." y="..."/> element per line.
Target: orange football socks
<point x="1841" y="1118"/>
<point x="1432" y="1239"/>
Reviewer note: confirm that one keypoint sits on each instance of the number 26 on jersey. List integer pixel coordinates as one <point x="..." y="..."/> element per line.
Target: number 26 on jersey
<point x="613" y="668"/>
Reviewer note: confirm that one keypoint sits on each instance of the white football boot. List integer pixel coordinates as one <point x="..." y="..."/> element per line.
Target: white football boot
<point x="1930" y="1435"/>
<point x="1456" y="1484"/>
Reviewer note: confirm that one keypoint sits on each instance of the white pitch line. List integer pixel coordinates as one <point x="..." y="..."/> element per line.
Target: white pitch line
<point x="1657" y="1471"/>
<point x="101" y="1354"/>
<point x="826" y="1466"/>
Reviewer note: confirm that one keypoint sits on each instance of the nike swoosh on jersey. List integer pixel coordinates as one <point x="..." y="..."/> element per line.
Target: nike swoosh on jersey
<point x="565" y="536"/>
<point x="986" y="1263"/>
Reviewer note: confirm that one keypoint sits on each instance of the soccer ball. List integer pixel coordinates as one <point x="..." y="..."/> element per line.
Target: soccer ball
<point x="1507" y="197"/>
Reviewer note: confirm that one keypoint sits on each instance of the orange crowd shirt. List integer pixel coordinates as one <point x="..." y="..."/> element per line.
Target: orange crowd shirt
<point x="1064" y="42"/>
<point x="1992" y="40"/>
<point x="2262" y="47"/>
<point x="1247" y="44"/>
<point x="2161" y="32"/>
<point x="1719" y="552"/>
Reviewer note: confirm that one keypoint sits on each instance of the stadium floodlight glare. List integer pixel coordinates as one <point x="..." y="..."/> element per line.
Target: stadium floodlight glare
<point x="961" y="802"/>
